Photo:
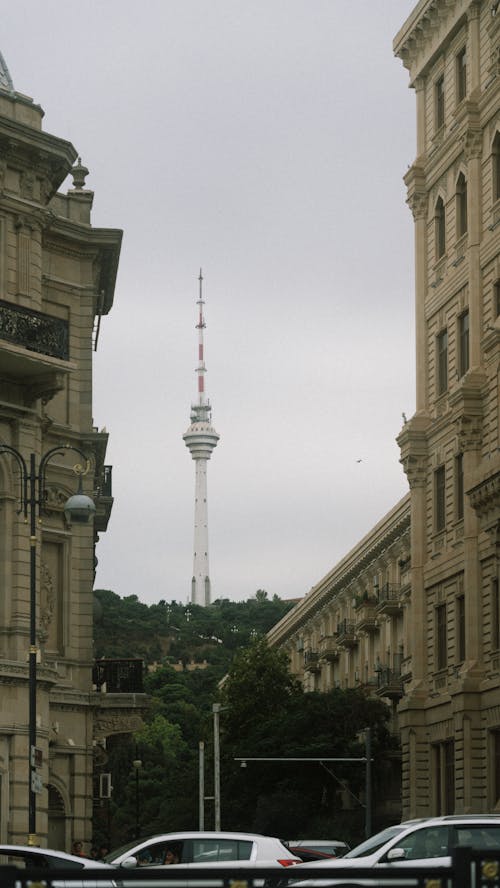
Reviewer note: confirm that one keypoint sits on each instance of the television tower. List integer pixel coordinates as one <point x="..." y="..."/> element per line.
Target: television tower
<point x="200" y="439"/>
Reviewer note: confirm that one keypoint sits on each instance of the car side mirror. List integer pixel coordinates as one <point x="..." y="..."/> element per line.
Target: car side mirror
<point x="396" y="854"/>
<point x="129" y="862"/>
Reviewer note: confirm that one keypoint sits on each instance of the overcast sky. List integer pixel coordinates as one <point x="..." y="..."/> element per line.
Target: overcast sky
<point x="264" y="141"/>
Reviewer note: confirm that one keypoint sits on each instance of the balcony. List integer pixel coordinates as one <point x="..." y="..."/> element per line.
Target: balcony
<point x="389" y="600"/>
<point x="34" y="349"/>
<point x="346" y="634"/>
<point x="118" y="700"/>
<point x="118" y="676"/>
<point x="366" y="617"/>
<point x="103" y="499"/>
<point x="389" y="683"/>
<point x="328" y="649"/>
<point x="311" y="661"/>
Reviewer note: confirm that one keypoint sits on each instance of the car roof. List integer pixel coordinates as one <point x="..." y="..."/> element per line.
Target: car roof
<point x="50" y="852"/>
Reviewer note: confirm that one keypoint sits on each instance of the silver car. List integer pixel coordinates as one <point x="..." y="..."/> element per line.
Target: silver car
<point x="414" y="843"/>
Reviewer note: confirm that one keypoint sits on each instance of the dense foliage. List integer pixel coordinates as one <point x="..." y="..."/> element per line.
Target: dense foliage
<point x="264" y="714"/>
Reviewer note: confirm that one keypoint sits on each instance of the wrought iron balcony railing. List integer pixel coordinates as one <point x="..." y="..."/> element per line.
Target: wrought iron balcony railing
<point x="34" y="330"/>
<point x="390" y="683"/>
<point x="119" y="676"/>
<point x="346" y="633"/>
<point x="311" y="661"/>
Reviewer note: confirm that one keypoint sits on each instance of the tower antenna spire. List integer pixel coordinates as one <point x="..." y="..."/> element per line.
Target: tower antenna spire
<point x="200" y="439"/>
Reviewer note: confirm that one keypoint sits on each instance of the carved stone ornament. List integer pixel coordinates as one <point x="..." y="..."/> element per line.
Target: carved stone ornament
<point x="105" y="726"/>
<point x="415" y="469"/>
<point x="45" y="387"/>
<point x="47" y="602"/>
<point x="473" y="143"/>
<point x="485" y="500"/>
<point x="55" y="499"/>
<point x="417" y="202"/>
<point x="27" y="185"/>
<point x="5" y="78"/>
<point x="469" y="430"/>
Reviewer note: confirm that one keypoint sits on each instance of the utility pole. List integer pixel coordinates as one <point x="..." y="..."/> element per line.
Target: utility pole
<point x="201" y="785"/>
<point x="216" y="708"/>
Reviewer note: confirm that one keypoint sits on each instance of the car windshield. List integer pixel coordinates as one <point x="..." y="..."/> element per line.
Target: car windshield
<point x="374" y="842"/>
<point x="111" y="857"/>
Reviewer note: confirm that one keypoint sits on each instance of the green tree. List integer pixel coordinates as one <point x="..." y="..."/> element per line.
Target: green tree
<point x="266" y="714"/>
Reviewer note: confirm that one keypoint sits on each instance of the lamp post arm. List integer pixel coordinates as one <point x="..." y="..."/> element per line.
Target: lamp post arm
<point x="42" y="469"/>
<point x="23" y="476"/>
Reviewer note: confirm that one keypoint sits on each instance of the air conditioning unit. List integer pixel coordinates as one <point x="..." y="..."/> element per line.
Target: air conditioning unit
<point x="105" y="788"/>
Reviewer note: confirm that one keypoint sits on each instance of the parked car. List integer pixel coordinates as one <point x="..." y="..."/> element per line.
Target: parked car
<point x="204" y="849"/>
<point x="308" y="855"/>
<point x="333" y="848"/>
<point x="414" y="843"/>
<point x="29" y="857"/>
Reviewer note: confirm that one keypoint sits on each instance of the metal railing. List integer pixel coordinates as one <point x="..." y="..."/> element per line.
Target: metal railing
<point x="119" y="676"/>
<point x="34" y="330"/>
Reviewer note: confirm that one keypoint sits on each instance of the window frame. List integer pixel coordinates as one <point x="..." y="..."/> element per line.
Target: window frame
<point x="459" y="486"/>
<point x="442" y="361"/>
<point x="461" y="206"/>
<point x="439" y="229"/>
<point x="460" y="627"/>
<point x="463" y="342"/>
<point x="461" y="75"/>
<point x="439" y="103"/>
<point x="441" y="633"/>
<point x="495" y="157"/>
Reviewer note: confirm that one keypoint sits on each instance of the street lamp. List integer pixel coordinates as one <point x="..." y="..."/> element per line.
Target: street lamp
<point x="78" y="508"/>
<point x="137" y="765"/>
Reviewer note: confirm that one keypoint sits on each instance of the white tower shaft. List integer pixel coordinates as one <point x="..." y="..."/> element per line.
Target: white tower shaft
<point x="201" y="438"/>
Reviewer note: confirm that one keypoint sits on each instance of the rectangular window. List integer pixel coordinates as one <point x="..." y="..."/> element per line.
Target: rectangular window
<point x="496" y="759"/>
<point x="463" y="342"/>
<point x="442" y="362"/>
<point x="441" y="639"/>
<point x="495" y="615"/>
<point x="461" y="75"/>
<point x="440" y="229"/>
<point x="459" y="486"/>
<point x="460" y="615"/>
<point x="439" y="98"/>
<point x="439" y="499"/>
<point x="461" y="206"/>
<point x="496" y="299"/>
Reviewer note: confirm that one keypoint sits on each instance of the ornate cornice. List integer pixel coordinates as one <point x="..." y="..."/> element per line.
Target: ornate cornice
<point x="413" y="444"/>
<point x="485" y="496"/>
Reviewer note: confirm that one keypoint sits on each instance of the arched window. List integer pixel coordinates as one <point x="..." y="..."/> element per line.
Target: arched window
<point x="495" y="156"/>
<point x="461" y="205"/>
<point x="440" y="232"/>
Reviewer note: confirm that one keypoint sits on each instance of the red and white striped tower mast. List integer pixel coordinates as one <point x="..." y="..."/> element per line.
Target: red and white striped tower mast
<point x="200" y="439"/>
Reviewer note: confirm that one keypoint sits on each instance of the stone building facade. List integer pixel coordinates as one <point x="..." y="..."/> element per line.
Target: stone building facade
<point x="448" y="626"/>
<point x="57" y="277"/>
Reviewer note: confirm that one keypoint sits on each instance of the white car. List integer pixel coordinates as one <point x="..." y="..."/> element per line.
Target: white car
<point x="415" y="844"/>
<point x="334" y="847"/>
<point x="203" y="849"/>
<point x="28" y="857"/>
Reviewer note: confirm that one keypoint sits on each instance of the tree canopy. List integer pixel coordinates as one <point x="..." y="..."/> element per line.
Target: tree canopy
<point x="264" y="714"/>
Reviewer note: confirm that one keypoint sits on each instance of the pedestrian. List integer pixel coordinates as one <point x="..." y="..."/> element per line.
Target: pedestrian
<point x="77" y="849"/>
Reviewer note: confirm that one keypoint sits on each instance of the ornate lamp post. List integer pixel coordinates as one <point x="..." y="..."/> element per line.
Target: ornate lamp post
<point x="79" y="509"/>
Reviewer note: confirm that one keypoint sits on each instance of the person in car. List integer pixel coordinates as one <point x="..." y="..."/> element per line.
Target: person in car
<point x="171" y="856"/>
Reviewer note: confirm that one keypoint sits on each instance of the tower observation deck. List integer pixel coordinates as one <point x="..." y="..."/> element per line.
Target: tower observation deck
<point x="200" y="439"/>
